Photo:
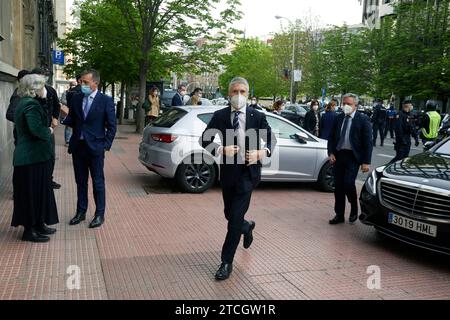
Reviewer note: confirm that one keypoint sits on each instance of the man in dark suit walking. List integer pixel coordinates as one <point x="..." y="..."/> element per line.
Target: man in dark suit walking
<point x="93" y="120"/>
<point x="350" y="147"/>
<point x="240" y="128"/>
<point x="177" y="100"/>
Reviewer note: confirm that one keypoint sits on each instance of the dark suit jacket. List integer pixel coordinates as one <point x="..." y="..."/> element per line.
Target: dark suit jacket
<point x="360" y="137"/>
<point x="99" y="127"/>
<point x="177" y="100"/>
<point x="220" y="123"/>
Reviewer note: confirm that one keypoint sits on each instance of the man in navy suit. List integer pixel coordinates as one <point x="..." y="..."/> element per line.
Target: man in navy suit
<point x="177" y="100"/>
<point x="240" y="128"/>
<point x="93" y="120"/>
<point x="349" y="147"/>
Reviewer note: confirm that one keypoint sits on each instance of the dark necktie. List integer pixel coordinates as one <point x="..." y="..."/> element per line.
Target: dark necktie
<point x="86" y="106"/>
<point x="236" y="120"/>
<point x="343" y="133"/>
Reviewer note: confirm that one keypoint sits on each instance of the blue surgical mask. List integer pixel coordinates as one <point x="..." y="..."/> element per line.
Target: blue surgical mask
<point x="86" y="90"/>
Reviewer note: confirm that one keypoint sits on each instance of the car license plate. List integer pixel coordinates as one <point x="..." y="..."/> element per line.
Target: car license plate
<point x="413" y="225"/>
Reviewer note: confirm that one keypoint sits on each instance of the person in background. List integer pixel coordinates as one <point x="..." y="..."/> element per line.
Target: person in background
<point x="255" y="104"/>
<point x="404" y="129"/>
<point x="391" y="116"/>
<point x="152" y="105"/>
<point x="312" y="118"/>
<point x="34" y="198"/>
<point x="196" y="98"/>
<point x="327" y="120"/>
<point x="177" y="100"/>
<point x="277" y="107"/>
<point x="349" y="148"/>
<point x="53" y="106"/>
<point x="379" y="121"/>
<point x="65" y="98"/>
<point x="13" y="102"/>
<point x="431" y="122"/>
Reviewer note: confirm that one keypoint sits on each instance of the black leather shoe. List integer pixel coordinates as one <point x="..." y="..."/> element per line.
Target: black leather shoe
<point x="45" y="231"/>
<point x="56" y="185"/>
<point x="248" y="237"/>
<point x="353" y="218"/>
<point x="97" y="222"/>
<point x="79" y="217"/>
<point x="337" y="220"/>
<point x="224" y="271"/>
<point x="34" y="236"/>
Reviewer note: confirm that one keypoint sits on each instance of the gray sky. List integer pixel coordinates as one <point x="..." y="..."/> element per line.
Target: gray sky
<point x="259" y="18"/>
<point x="259" y="15"/>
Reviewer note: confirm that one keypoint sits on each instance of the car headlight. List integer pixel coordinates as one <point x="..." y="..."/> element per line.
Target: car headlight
<point x="371" y="182"/>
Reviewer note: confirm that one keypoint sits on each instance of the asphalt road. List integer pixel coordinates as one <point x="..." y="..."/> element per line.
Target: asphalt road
<point x="382" y="155"/>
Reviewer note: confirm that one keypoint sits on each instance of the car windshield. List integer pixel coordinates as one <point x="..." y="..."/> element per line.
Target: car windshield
<point x="444" y="149"/>
<point x="168" y="119"/>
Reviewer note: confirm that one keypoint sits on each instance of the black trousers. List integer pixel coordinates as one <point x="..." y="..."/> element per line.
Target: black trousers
<point x="401" y="152"/>
<point x="390" y="127"/>
<point x="236" y="200"/>
<point x="345" y="173"/>
<point x="378" y="127"/>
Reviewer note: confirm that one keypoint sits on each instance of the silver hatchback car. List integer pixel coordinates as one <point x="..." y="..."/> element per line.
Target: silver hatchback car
<point x="172" y="140"/>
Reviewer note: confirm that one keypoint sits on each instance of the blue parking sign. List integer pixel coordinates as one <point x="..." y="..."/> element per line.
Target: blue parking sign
<point x="58" y="57"/>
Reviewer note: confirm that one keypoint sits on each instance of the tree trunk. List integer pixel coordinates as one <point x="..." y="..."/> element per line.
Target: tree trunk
<point x="143" y="68"/>
<point x="122" y="102"/>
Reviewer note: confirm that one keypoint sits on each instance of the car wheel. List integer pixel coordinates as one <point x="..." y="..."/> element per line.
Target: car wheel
<point x="326" y="178"/>
<point x="196" y="176"/>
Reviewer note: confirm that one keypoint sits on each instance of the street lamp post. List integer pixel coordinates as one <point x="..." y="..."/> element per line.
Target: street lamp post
<point x="293" y="57"/>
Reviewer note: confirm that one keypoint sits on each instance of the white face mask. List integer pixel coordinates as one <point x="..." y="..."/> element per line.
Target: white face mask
<point x="315" y="108"/>
<point x="253" y="101"/>
<point x="348" y="109"/>
<point x="238" y="101"/>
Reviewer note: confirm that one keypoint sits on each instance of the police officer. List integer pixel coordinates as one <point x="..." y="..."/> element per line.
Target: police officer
<point x="390" y="121"/>
<point x="431" y="122"/>
<point x="404" y="129"/>
<point x="379" y="121"/>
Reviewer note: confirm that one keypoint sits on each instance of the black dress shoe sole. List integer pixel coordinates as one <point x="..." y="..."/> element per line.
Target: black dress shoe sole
<point x="46" y="233"/>
<point x="74" y="223"/>
<point x="36" y="239"/>
<point x="336" y="222"/>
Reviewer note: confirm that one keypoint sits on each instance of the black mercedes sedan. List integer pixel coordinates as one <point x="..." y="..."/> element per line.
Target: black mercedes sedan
<point x="410" y="199"/>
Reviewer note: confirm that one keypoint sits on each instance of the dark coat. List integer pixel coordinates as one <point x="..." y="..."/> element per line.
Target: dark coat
<point x="326" y="124"/>
<point x="33" y="133"/>
<point x="311" y="121"/>
<point x="360" y="137"/>
<point x="99" y="128"/>
<point x="177" y="100"/>
<point x="220" y="123"/>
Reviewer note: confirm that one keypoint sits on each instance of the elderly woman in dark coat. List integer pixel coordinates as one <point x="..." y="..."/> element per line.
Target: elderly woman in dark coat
<point x="34" y="199"/>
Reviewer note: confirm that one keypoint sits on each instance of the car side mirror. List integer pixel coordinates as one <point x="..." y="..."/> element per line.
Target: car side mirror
<point x="428" y="145"/>
<point x="301" y="137"/>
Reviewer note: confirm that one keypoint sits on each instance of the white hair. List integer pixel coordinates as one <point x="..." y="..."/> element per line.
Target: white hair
<point x="30" y="85"/>
<point x="351" y="95"/>
<point x="238" y="80"/>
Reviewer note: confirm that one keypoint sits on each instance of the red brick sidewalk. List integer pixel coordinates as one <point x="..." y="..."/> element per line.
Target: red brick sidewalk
<point x="162" y="244"/>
